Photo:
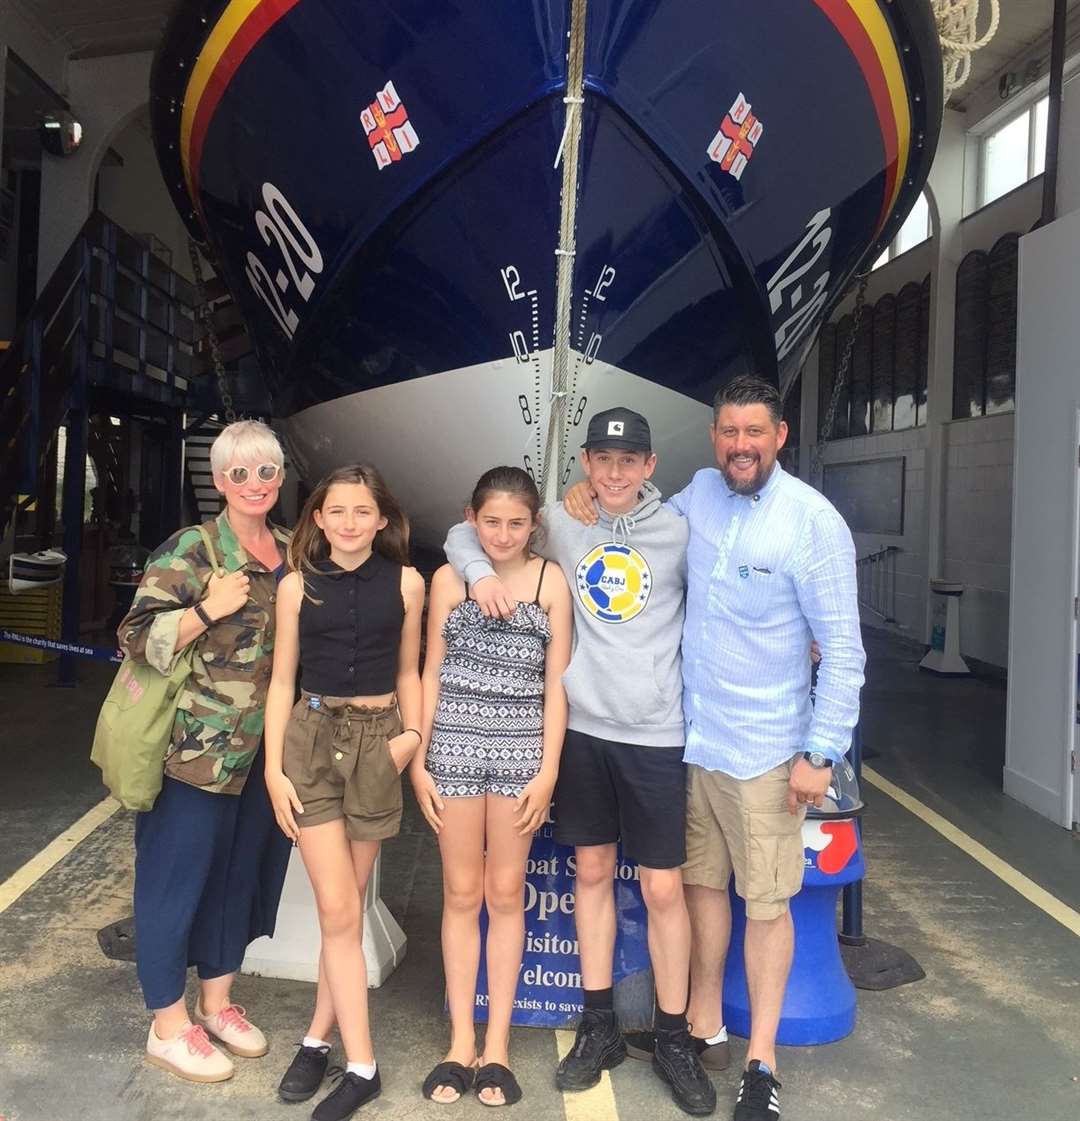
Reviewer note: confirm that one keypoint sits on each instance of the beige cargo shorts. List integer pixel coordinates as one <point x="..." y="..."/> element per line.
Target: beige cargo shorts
<point x="743" y="826"/>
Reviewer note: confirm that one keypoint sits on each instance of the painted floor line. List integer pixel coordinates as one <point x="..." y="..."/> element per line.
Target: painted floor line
<point x="597" y="1104"/>
<point x="24" y="878"/>
<point x="1005" y="872"/>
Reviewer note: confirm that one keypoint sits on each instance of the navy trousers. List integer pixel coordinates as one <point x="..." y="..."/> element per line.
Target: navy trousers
<point x="208" y="875"/>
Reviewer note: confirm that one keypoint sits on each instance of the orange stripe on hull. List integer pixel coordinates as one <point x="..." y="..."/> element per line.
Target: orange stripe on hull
<point x="867" y="34"/>
<point x="241" y="26"/>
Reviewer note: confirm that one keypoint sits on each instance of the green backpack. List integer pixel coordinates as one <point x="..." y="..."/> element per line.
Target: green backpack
<point x="134" y="727"/>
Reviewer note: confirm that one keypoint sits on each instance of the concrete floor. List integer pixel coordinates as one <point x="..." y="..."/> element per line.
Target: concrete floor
<point x="992" y="1033"/>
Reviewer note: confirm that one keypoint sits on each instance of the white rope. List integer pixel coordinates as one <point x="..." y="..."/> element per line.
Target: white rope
<point x="570" y="157"/>
<point x="570" y="102"/>
<point x="957" y="25"/>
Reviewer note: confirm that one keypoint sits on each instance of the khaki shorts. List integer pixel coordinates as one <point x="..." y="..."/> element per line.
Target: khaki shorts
<point x="336" y="757"/>
<point x="743" y="825"/>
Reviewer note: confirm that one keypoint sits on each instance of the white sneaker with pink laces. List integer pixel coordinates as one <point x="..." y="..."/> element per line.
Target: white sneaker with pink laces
<point x="189" y="1055"/>
<point x="232" y="1027"/>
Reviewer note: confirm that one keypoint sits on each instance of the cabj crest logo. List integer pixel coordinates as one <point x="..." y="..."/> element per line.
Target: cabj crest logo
<point x="613" y="582"/>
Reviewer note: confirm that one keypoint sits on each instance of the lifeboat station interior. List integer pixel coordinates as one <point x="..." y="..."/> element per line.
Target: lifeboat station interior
<point x="939" y="409"/>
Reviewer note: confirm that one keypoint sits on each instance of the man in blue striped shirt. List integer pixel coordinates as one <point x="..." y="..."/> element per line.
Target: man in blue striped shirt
<point x="771" y="567"/>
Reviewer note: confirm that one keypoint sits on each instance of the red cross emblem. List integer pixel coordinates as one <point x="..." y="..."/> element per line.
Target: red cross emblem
<point x="734" y="145"/>
<point x="389" y="131"/>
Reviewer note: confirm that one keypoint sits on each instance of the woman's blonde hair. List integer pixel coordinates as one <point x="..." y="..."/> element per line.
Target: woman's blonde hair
<point x="245" y="442"/>
<point x="308" y="546"/>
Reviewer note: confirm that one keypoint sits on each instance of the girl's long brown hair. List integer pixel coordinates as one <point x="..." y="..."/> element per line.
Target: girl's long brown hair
<point x="308" y="545"/>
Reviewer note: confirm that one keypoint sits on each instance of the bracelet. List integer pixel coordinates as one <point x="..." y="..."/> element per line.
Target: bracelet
<point x="419" y="737"/>
<point x="201" y="612"/>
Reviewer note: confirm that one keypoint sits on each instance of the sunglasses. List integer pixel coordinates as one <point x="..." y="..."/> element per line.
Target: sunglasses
<point x="265" y="473"/>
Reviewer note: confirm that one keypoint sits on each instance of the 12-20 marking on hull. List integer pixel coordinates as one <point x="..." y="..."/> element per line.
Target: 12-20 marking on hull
<point x="280" y="224"/>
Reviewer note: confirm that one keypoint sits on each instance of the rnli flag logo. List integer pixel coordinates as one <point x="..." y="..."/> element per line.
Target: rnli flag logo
<point x="389" y="131"/>
<point x="734" y="145"/>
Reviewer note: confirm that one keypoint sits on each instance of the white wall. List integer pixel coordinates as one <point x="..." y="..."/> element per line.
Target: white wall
<point x="1015" y="212"/>
<point x="978" y="530"/>
<point x="22" y="33"/>
<point x="1068" y="186"/>
<point x="1041" y="720"/>
<point x="107" y="94"/>
<point x="135" y="196"/>
<point x="911" y="584"/>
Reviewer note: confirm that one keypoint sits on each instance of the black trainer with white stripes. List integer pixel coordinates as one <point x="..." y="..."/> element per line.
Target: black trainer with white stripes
<point x="758" y="1099"/>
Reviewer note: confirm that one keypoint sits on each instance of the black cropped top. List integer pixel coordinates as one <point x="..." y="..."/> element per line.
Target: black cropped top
<point x="349" y="639"/>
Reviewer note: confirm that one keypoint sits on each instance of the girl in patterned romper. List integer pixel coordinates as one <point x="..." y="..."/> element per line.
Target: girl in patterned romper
<point x="493" y="727"/>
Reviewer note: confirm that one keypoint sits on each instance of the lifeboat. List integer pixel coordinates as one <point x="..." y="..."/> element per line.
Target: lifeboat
<point x="456" y="230"/>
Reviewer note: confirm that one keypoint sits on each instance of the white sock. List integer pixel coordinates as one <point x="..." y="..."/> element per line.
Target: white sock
<point x="365" y="1070"/>
<point x="311" y="1041"/>
<point x="720" y="1037"/>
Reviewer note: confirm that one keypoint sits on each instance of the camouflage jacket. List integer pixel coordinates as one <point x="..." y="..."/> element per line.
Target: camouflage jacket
<point x="219" y="723"/>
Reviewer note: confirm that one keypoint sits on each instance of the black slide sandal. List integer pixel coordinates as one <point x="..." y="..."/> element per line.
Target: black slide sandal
<point x="453" y="1075"/>
<point x="494" y="1076"/>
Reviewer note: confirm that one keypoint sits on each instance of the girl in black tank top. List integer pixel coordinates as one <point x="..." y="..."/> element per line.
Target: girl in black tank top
<point x="348" y="621"/>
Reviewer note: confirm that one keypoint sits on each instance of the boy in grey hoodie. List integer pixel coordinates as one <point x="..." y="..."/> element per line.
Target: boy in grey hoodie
<point x="621" y="776"/>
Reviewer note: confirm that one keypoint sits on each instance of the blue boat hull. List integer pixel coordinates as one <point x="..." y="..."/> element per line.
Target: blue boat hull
<point x="428" y="291"/>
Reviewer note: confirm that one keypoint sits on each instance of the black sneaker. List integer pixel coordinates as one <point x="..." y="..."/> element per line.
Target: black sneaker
<point x="713" y="1056"/>
<point x="305" y="1074"/>
<point x="758" y="1099"/>
<point x="677" y="1062"/>
<point x="347" y="1097"/>
<point x="598" y="1046"/>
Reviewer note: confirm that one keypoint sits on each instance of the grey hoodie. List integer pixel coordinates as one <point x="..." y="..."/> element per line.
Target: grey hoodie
<point x="627" y="577"/>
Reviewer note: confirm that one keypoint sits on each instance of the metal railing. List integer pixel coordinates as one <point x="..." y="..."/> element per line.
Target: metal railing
<point x="876" y="574"/>
<point x="113" y="324"/>
<point x="111" y="315"/>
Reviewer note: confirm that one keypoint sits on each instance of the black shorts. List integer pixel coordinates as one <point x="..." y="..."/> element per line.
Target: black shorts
<point x="622" y="791"/>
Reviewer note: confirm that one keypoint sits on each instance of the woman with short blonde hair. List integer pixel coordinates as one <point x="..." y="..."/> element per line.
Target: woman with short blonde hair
<point x="209" y="860"/>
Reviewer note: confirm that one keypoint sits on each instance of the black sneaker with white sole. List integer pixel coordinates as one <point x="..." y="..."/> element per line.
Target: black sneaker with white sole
<point x="758" y="1099"/>
<point x="598" y="1046"/>
<point x="676" y="1061"/>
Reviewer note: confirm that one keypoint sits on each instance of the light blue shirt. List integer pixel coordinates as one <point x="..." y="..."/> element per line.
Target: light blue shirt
<point x="767" y="572"/>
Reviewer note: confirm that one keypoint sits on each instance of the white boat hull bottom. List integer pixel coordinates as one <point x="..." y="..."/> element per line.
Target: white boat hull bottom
<point x="432" y="437"/>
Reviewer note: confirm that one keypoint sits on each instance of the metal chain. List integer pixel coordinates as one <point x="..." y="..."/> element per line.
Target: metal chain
<point x="209" y="333"/>
<point x="841" y="377"/>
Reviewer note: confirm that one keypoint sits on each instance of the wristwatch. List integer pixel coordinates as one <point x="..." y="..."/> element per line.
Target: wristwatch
<point x="201" y="612"/>
<point x="817" y="760"/>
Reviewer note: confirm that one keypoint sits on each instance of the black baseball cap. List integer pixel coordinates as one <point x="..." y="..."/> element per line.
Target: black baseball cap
<point x="619" y="428"/>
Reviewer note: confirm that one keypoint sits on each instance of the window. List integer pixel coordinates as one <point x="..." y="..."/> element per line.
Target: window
<point x="915" y="230"/>
<point x="884" y="388"/>
<point x="1014" y="153"/>
<point x="984" y="355"/>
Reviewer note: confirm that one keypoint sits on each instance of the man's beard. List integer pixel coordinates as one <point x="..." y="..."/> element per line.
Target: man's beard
<point x="748" y="486"/>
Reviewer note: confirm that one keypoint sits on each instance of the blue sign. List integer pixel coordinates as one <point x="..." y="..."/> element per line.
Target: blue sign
<point x="101" y="653"/>
<point x="549" y="985"/>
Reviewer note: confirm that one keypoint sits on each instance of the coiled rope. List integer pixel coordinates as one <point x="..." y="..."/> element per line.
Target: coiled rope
<point x="957" y="24"/>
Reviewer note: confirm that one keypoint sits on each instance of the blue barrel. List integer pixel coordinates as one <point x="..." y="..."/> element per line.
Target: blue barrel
<point x="819" y="1005"/>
